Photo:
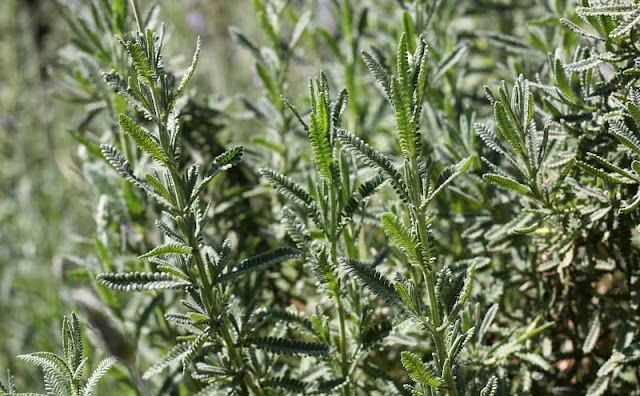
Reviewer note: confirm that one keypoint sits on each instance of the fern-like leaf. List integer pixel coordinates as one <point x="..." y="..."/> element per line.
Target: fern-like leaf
<point x="137" y="281"/>
<point x="372" y="280"/>
<point x="143" y="139"/>
<point x="173" y="357"/>
<point x="401" y="237"/>
<point x="419" y="371"/>
<point x="168" y="249"/>
<point x="259" y="262"/>
<point x="285" y="346"/>
<point x="97" y="374"/>
<point x="376" y="160"/>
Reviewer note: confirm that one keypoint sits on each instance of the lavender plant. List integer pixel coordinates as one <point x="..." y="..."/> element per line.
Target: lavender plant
<point x="421" y="235"/>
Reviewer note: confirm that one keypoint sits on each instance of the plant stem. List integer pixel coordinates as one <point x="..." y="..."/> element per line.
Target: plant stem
<point x="340" y="307"/>
<point x="419" y="217"/>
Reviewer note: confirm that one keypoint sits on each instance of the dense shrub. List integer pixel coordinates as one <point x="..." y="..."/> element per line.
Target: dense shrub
<point x="450" y="206"/>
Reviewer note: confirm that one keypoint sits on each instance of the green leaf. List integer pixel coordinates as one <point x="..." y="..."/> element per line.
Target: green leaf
<point x="143" y="139"/>
<point x="168" y="249"/>
<point x="451" y="59"/>
<point x="288" y="316"/>
<point x="465" y="292"/>
<point x="599" y="387"/>
<point x="630" y="207"/>
<point x="238" y="36"/>
<point x="592" y="336"/>
<point x="401" y="237"/>
<point x="626" y="26"/>
<point x="194" y="348"/>
<point x="269" y="83"/>
<point x="378" y="72"/>
<point x="625" y="136"/>
<point x="97" y="374"/>
<point x="409" y="30"/>
<point x="285" y="346"/>
<point x="634" y="112"/>
<point x="287" y="187"/>
<point x="486" y="322"/>
<point x="449" y="175"/>
<point x="291" y="385"/>
<point x="507" y="184"/>
<point x="608" y="177"/>
<point x="605" y="10"/>
<point x="301" y="25"/>
<point x="418" y="371"/>
<point x="259" y="262"/>
<point x="562" y="81"/>
<point x="173" y="357"/>
<point x="605" y="163"/>
<point x="186" y="77"/>
<point x="491" y="389"/>
<point x="375" y="160"/>
<point x="319" y="137"/>
<point x="507" y="129"/>
<point x="159" y="187"/>
<point x="375" y="334"/>
<point x="364" y="191"/>
<point x="295" y="228"/>
<point x="138" y="281"/>
<point x="140" y="62"/>
<point x="372" y="280"/>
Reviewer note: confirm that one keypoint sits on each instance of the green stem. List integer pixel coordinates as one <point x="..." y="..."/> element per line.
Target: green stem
<point x="340" y="307"/>
<point x="419" y="217"/>
<point x="223" y="328"/>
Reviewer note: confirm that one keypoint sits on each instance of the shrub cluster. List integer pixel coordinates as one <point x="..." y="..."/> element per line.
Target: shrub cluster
<point x="425" y="230"/>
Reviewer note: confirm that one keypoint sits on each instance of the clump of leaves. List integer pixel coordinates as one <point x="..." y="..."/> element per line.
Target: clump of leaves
<point x="64" y="375"/>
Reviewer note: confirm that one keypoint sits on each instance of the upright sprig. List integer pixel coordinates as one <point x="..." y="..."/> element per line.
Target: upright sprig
<point x="525" y="148"/>
<point x="186" y="262"/>
<point x="63" y="375"/>
<point x="409" y="229"/>
<point x="335" y="199"/>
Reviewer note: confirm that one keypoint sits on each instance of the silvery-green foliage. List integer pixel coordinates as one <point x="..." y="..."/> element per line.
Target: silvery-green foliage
<point x="425" y="230"/>
<point x="64" y="375"/>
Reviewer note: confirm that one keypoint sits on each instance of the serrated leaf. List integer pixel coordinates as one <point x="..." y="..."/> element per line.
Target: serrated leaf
<point x="143" y="139"/>
<point x="319" y="138"/>
<point x="626" y="26"/>
<point x="375" y="160"/>
<point x="137" y="281"/>
<point x="507" y="184"/>
<point x="419" y="371"/>
<point x="168" y="249"/>
<point x="378" y="72"/>
<point x="259" y="262"/>
<point x="174" y="356"/>
<point x="401" y="237"/>
<point x="487" y="321"/>
<point x="592" y="336"/>
<point x="599" y="387"/>
<point x="372" y="280"/>
<point x="287" y="187"/>
<point x="97" y="374"/>
<point x="507" y="129"/>
<point x="285" y="346"/>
